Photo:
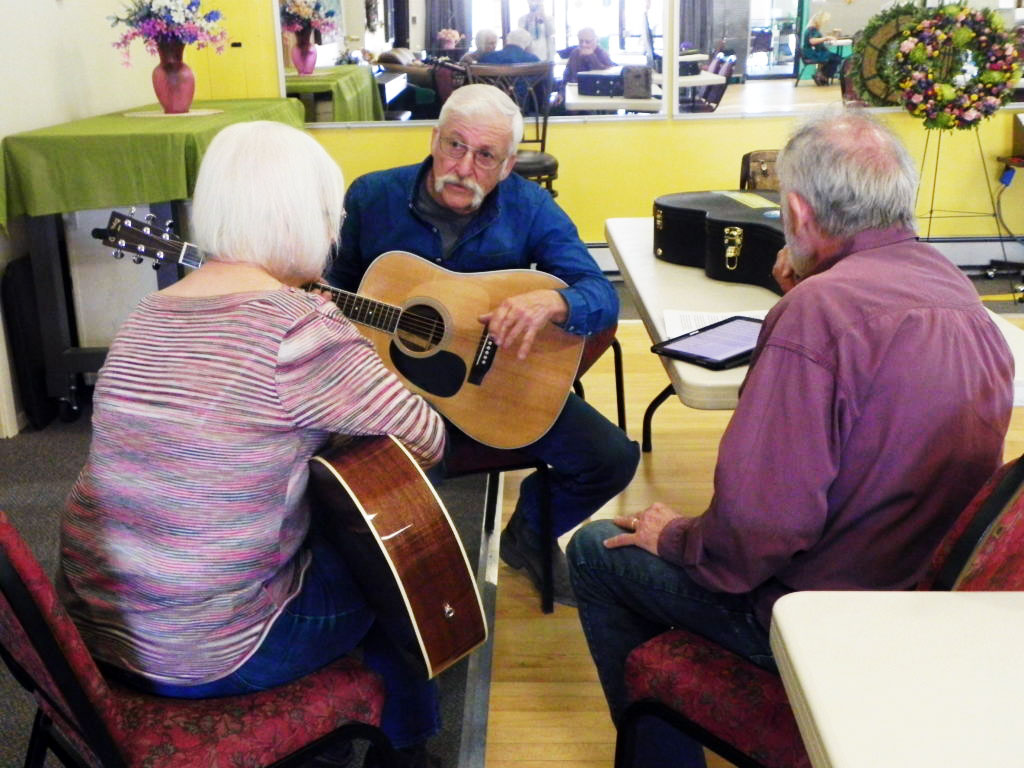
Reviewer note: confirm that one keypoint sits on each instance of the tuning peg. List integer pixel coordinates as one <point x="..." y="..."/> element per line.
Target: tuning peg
<point x="169" y="224"/>
<point x="156" y="265"/>
<point x="136" y="259"/>
<point x="159" y="256"/>
<point x="150" y="217"/>
<point x="117" y="254"/>
<point x="131" y="211"/>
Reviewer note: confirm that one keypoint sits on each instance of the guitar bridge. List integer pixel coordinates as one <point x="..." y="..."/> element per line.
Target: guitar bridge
<point x="484" y="359"/>
<point x="733" y="237"/>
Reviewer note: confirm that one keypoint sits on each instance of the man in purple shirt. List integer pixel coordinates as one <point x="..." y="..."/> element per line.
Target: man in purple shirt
<point x="875" y="407"/>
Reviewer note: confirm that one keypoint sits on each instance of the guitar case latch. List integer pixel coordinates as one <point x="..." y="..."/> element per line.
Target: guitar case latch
<point x="733" y="237"/>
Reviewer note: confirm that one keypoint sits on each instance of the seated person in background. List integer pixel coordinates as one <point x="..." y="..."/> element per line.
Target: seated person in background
<point x="190" y="556"/>
<point x="513" y="52"/>
<point x="586" y="56"/>
<point x="464" y="209"/>
<point x="855" y="443"/>
<point x="814" y="49"/>
<point x="541" y="29"/>
<point x="486" y="41"/>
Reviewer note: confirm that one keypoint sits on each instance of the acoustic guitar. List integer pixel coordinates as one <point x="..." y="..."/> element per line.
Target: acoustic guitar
<point x="403" y="549"/>
<point x="423" y="321"/>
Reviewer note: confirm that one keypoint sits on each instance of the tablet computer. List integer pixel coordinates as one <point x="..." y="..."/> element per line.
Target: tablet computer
<point x="724" y="344"/>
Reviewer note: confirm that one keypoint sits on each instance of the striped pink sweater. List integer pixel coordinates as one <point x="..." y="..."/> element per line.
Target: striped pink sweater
<point x="181" y="539"/>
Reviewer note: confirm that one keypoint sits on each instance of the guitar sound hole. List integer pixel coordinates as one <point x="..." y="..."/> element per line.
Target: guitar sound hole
<point x="420" y="328"/>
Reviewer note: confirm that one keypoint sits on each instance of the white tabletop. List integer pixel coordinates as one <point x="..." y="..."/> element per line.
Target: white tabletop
<point x="657" y="285"/>
<point x="691" y="81"/>
<point x="574" y="102"/>
<point x="904" y="679"/>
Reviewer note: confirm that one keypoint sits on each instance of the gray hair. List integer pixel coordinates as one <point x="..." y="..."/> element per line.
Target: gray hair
<point x="270" y="195"/>
<point x="520" y="37"/>
<point x="852" y="171"/>
<point x="486" y="39"/>
<point x="481" y="101"/>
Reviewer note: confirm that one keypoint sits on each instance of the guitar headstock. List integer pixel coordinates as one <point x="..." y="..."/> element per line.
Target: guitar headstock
<point x="146" y="240"/>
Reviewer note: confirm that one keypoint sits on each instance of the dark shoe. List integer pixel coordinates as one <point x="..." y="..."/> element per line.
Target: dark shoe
<point x="521" y="547"/>
<point x="820" y="78"/>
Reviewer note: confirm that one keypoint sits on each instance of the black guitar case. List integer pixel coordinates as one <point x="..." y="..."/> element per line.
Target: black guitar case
<point x="733" y="236"/>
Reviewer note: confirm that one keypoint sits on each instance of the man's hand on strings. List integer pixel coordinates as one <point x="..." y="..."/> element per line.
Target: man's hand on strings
<point x="519" y="318"/>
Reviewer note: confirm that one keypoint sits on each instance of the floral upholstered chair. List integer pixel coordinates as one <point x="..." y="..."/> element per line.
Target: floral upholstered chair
<point x="740" y="711"/>
<point x="87" y="721"/>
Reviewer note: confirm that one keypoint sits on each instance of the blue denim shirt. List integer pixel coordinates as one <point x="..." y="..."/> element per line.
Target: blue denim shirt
<point x="518" y="225"/>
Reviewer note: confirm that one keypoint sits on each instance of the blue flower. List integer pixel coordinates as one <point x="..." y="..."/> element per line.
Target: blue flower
<point x="212" y="15"/>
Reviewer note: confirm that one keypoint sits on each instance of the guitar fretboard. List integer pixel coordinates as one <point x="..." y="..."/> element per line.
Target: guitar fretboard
<point x="360" y="309"/>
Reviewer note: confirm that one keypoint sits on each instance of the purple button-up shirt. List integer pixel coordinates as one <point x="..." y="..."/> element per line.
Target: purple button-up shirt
<point x="875" y="409"/>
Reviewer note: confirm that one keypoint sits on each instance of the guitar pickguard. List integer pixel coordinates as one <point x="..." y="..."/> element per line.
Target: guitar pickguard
<point x="441" y="374"/>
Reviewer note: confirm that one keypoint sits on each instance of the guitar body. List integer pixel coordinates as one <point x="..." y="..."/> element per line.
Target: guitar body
<point x="402" y="548"/>
<point x="499" y="401"/>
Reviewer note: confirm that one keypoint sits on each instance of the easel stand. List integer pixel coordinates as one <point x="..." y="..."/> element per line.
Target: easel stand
<point x="934" y="213"/>
<point x="996" y="267"/>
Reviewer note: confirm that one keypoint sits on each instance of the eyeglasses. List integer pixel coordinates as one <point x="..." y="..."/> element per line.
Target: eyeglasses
<point x="484" y="159"/>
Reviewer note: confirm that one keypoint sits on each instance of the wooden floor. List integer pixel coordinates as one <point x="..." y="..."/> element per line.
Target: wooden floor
<point x="775" y="97"/>
<point x="546" y="706"/>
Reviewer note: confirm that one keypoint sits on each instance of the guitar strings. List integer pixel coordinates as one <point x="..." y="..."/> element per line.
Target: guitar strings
<point x="429" y="328"/>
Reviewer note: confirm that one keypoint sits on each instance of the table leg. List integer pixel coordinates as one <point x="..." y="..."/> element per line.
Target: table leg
<point x="649" y="414"/>
<point x="62" y="358"/>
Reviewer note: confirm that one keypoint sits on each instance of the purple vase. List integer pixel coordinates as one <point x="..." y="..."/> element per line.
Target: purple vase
<point x="304" y="52"/>
<point x="173" y="80"/>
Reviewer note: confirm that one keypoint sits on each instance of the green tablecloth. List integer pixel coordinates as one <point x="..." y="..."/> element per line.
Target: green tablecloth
<point x="353" y="90"/>
<point x="112" y="160"/>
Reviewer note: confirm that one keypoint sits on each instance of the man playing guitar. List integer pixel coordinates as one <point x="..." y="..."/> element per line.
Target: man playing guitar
<point x="464" y="210"/>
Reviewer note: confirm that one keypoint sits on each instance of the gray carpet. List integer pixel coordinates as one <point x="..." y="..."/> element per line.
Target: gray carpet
<point x="38" y="468"/>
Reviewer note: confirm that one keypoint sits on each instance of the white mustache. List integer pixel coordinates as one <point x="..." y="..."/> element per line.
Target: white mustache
<point x="465" y="183"/>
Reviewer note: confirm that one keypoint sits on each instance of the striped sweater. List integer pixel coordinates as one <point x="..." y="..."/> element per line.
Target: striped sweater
<point x="181" y="540"/>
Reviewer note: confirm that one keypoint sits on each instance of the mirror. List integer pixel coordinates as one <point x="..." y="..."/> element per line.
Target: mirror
<point x="763" y="35"/>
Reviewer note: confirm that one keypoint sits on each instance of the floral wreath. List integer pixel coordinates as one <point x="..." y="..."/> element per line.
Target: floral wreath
<point x="957" y="66"/>
<point x="873" y="55"/>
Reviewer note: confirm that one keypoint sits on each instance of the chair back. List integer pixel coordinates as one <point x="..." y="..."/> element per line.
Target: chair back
<point x="712" y="95"/>
<point x="46" y="654"/>
<point x="757" y="170"/>
<point x="984" y="550"/>
<point x="529" y="86"/>
<point x="716" y="63"/>
<point x="448" y="77"/>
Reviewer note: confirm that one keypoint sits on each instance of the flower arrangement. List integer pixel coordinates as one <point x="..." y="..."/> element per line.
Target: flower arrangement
<point x="306" y="14"/>
<point x="168" y="21"/>
<point x="957" y="66"/>
<point x="450" y="36"/>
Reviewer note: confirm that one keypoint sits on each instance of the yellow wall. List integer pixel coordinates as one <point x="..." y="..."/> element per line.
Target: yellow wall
<point x="611" y="169"/>
<point x="247" y="69"/>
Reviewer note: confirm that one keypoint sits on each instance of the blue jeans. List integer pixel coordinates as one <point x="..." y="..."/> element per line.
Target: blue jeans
<point x="326" y="620"/>
<point x="591" y="461"/>
<point x="628" y="596"/>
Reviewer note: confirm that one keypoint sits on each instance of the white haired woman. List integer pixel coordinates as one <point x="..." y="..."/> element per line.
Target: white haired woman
<point x="191" y="559"/>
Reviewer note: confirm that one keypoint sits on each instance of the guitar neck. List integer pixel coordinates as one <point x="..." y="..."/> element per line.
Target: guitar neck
<point x="145" y="240"/>
<point x="363" y="310"/>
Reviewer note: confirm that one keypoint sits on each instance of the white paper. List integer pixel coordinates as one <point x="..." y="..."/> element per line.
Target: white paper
<point x="678" y="322"/>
